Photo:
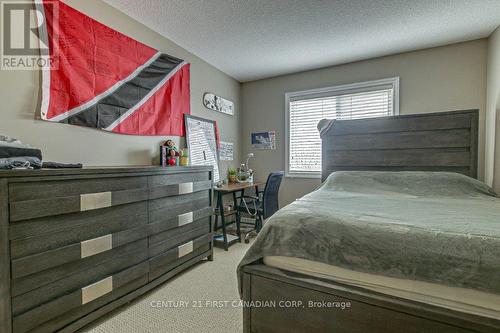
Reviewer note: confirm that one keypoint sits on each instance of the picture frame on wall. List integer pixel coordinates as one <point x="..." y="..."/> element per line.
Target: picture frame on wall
<point x="226" y="151"/>
<point x="264" y="140"/>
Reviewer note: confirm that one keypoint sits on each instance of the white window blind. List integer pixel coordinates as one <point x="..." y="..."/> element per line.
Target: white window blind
<point x="306" y="109"/>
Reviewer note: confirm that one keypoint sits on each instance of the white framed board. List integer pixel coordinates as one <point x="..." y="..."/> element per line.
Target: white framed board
<point x="201" y="141"/>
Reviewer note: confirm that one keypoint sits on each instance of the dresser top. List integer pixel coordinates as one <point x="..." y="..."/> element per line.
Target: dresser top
<point x="115" y="170"/>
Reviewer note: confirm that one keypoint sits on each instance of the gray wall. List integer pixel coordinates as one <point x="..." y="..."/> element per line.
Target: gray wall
<point x="438" y="79"/>
<point x="493" y="112"/>
<point x="65" y="143"/>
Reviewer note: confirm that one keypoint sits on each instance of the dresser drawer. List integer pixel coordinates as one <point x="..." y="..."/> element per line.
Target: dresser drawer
<point x="48" y="198"/>
<point x="167" y="240"/>
<point x="164" y="209"/>
<point x="79" y="298"/>
<point x="57" y="288"/>
<point x="159" y="191"/>
<point x="61" y="322"/>
<point x="65" y="230"/>
<point x="56" y="188"/>
<point x="185" y="217"/>
<point x="160" y="180"/>
<point x="37" y="280"/>
<point x="174" y="257"/>
<point x="74" y="252"/>
<point x="106" y="218"/>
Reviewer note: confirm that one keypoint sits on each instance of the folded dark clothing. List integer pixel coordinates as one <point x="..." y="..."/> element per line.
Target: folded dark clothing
<point x="56" y="165"/>
<point x="9" y="152"/>
<point x="20" y="162"/>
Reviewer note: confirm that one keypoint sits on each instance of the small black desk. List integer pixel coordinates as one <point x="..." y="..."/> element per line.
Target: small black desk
<point x="231" y="188"/>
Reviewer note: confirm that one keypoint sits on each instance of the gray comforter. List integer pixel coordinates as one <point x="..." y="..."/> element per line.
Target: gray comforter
<point x="430" y="226"/>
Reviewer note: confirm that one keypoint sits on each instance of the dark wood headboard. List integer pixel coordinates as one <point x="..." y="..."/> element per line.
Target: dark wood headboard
<point x="443" y="141"/>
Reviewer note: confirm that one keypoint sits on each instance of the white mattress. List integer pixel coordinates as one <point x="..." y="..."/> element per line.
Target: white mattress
<point x="460" y="299"/>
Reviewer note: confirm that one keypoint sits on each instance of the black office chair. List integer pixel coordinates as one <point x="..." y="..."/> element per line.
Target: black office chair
<point x="262" y="205"/>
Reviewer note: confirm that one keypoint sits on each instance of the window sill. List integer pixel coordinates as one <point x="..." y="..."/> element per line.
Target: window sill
<point x="303" y="175"/>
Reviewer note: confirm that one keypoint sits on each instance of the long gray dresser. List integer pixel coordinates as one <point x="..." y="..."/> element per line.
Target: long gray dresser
<point x="77" y="243"/>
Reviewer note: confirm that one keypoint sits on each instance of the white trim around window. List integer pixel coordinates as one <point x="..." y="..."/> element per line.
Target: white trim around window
<point x="391" y="84"/>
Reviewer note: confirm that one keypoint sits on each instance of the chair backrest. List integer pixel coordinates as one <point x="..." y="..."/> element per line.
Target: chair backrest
<point x="270" y="196"/>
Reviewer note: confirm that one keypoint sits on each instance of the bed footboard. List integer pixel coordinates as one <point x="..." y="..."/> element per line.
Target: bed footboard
<point x="277" y="301"/>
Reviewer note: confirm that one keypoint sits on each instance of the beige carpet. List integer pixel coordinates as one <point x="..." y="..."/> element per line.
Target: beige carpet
<point x="204" y="284"/>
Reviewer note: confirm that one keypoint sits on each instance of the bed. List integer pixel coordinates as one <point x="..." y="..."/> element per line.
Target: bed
<point x="399" y="237"/>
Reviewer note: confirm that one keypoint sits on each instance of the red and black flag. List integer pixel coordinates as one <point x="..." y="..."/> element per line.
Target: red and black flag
<point x="103" y="79"/>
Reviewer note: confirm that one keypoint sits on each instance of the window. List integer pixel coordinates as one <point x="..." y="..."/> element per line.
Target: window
<point x="306" y="108"/>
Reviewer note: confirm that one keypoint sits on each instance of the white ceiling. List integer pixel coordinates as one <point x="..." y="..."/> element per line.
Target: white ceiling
<point x="254" y="39"/>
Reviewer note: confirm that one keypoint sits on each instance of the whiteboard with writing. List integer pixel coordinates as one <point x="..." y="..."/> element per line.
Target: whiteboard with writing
<point x="202" y="143"/>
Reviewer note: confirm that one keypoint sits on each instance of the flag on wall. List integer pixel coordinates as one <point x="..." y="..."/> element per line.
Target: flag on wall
<point x="103" y="79"/>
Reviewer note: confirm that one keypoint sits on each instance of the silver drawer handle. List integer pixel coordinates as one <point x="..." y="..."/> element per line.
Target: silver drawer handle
<point x="185" y="249"/>
<point x="96" y="290"/>
<point x="185" y="188"/>
<point x="184" y="219"/>
<point x="95" y="201"/>
<point x="97" y="245"/>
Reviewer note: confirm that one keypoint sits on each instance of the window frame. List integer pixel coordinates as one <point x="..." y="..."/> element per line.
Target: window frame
<point x="394" y="81"/>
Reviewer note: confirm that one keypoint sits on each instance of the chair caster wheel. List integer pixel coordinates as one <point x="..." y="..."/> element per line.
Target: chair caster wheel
<point x="247" y="241"/>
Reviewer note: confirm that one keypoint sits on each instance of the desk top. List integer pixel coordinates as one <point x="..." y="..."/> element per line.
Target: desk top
<point x="233" y="187"/>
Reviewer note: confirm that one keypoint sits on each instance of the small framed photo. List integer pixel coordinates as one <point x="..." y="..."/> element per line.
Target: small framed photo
<point x="264" y="140"/>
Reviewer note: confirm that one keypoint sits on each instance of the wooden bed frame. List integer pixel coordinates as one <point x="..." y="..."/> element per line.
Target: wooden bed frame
<point x="445" y="141"/>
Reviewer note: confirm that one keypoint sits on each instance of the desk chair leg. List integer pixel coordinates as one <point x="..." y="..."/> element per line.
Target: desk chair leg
<point x="238" y="226"/>
<point x="258" y="225"/>
<point x="238" y="217"/>
<point x="220" y="205"/>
